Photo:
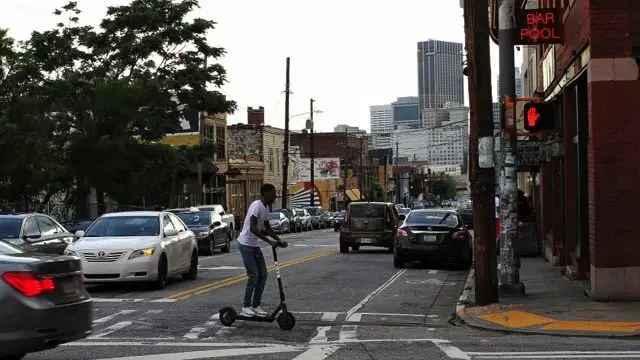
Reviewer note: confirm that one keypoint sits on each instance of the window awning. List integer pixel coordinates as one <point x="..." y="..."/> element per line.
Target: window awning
<point x="354" y="194"/>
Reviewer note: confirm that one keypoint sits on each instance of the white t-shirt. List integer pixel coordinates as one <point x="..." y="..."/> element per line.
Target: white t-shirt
<point x="260" y="211"/>
<point x="497" y="206"/>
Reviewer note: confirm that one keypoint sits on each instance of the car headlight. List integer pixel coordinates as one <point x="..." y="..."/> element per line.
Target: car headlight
<point x="141" y="253"/>
<point x="69" y="252"/>
<point x="203" y="233"/>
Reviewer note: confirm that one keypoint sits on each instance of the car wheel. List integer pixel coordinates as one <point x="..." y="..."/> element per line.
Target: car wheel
<point x="398" y="259"/>
<point x="227" y="246"/>
<point x="163" y="273"/>
<point x="192" y="274"/>
<point x="208" y="250"/>
<point x="344" y="248"/>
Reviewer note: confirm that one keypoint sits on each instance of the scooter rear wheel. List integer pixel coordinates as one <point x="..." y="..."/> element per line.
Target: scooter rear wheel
<point x="228" y="316"/>
<point x="286" y="320"/>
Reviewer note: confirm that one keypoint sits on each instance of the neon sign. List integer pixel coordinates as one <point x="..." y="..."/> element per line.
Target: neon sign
<point x="539" y="26"/>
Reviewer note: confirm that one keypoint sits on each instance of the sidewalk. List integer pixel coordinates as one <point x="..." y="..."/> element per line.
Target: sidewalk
<point x="553" y="305"/>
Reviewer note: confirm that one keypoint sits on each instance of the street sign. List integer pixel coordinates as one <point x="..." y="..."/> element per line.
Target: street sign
<point x="538" y="26"/>
<point x="531" y="154"/>
<point x="539" y="116"/>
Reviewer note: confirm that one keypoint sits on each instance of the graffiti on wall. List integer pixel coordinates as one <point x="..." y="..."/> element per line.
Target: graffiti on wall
<point x="245" y="142"/>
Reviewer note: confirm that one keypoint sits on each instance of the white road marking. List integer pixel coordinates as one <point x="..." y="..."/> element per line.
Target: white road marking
<point x="194" y="333"/>
<point x="116" y="300"/>
<point x="557" y="355"/>
<point x="314" y="245"/>
<point x="433" y="271"/>
<point x="329" y="316"/>
<point x="317" y="352"/>
<point x="221" y="268"/>
<point x="111" y="329"/>
<point x="391" y="314"/>
<point x="151" y="312"/>
<point x="348" y="333"/>
<point x="321" y="337"/>
<point x="451" y="351"/>
<point x="357" y="317"/>
<point x="113" y="316"/>
<point x="375" y="292"/>
<point x="164" y="300"/>
<point x="219" y="353"/>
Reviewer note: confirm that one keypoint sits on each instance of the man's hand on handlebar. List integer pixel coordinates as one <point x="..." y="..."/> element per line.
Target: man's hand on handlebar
<point x="280" y="243"/>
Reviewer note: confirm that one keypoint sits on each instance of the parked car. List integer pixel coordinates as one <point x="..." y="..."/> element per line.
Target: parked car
<point x="140" y="246"/>
<point x="279" y="222"/>
<point x="369" y="224"/>
<point x="403" y="211"/>
<point x="210" y="232"/>
<point x="317" y="217"/>
<point x="305" y="219"/>
<point x="295" y="222"/>
<point x="220" y="215"/>
<point x="37" y="233"/>
<point x="77" y="225"/>
<point x="433" y="235"/>
<point x="329" y="218"/>
<point x="338" y="220"/>
<point x="467" y="217"/>
<point x="44" y="303"/>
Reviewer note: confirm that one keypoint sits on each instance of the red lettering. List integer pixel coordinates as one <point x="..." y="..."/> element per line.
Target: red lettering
<point x="531" y="19"/>
<point x="550" y="18"/>
<point x="535" y="34"/>
<point x="544" y="18"/>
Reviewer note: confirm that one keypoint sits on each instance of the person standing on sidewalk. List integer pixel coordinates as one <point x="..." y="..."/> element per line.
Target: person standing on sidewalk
<point x="256" y="226"/>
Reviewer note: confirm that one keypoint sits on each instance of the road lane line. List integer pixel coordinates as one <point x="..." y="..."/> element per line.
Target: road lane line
<point x="348" y="333"/>
<point x="116" y="300"/>
<point x="451" y="351"/>
<point x="113" y="316"/>
<point x="219" y="353"/>
<point x="111" y="329"/>
<point x="194" y="333"/>
<point x="393" y="315"/>
<point x="243" y="277"/>
<point x="321" y="336"/>
<point x="329" y="316"/>
<point x="375" y="292"/>
<point x="317" y="352"/>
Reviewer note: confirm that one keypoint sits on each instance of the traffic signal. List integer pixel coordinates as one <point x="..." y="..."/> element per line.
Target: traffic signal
<point x="539" y="116"/>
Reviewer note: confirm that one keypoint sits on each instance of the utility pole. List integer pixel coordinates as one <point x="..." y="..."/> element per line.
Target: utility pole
<point x="312" y="202"/>
<point x="509" y="257"/>
<point x="482" y="173"/>
<point x="285" y="153"/>
<point x="397" y="171"/>
<point x="361" y="177"/>
<point x="346" y="168"/>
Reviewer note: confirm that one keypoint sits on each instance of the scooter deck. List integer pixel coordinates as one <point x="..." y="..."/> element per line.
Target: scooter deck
<point x="256" y="318"/>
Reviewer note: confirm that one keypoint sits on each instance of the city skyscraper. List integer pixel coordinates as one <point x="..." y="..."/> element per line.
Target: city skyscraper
<point x="381" y="117"/>
<point x="440" y="77"/>
<point x="519" y="84"/>
<point x="406" y="113"/>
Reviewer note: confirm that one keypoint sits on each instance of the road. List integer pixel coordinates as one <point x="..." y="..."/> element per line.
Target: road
<point x="348" y="306"/>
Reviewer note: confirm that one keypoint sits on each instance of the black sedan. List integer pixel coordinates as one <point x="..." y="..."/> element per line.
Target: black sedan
<point x="42" y="302"/>
<point x="433" y="235"/>
<point x="210" y="233"/>
<point x="338" y="220"/>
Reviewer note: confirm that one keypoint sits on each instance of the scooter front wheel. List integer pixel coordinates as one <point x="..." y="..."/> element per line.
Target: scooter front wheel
<point x="286" y="320"/>
<point x="228" y="316"/>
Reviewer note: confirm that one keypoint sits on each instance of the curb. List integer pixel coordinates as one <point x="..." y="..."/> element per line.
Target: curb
<point x="463" y="300"/>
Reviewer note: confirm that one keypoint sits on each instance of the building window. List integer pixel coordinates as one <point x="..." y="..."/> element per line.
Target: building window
<point x="207" y="132"/>
<point x="278" y="168"/>
<point x="270" y="159"/>
<point x="221" y="141"/>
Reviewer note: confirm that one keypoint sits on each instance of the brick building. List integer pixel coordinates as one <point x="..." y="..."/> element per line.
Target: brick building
<point x="588" y="193"/>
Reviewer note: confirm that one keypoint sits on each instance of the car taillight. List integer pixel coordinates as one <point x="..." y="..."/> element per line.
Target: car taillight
<point x="458" y="235"/>
<point x="401" y="233"/>
<point x="28" y="284"/>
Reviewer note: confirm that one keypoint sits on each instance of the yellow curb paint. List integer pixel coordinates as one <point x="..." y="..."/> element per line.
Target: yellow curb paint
<point x="594" y="326"/>
<point x="183" y="295"/>
<point x="516" y="319"/>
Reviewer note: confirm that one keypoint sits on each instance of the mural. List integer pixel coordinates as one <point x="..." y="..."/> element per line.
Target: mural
<point x="300" y="193"/>
<point x="325" y="169"/>
<point x="244" y="141"/>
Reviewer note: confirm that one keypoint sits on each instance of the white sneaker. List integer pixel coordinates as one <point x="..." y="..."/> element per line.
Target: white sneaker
<point x="247" y="311"/>
<point x="258" y="311"/>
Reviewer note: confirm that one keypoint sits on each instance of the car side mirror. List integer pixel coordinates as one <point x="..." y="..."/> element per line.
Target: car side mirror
<point x="79" y="233"/>
<point x="216" y="224"/>
<point x="170" y="233"/>
<point x="32" y="237"/>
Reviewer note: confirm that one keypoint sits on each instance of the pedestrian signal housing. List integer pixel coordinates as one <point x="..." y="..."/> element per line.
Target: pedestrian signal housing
<point x="539" y="117"/>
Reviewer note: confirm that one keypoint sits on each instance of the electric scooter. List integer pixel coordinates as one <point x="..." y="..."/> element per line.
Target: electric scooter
<point x="285" y="319"/>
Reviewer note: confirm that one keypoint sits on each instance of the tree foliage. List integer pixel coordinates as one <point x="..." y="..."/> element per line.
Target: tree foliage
<point x="443" y="185"/>
<point x="83" y="106"/>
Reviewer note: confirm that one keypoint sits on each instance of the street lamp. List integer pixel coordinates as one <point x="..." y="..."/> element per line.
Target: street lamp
<point x="309" y="127"/>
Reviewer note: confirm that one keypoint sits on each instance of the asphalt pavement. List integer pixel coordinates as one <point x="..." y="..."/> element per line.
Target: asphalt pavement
<point x="347" y="306"/>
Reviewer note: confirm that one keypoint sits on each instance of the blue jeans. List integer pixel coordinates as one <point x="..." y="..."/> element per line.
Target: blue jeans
<point x="256" y="272"/>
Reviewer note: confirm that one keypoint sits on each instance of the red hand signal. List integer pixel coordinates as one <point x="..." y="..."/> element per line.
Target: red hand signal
<point x="532" y="116"/>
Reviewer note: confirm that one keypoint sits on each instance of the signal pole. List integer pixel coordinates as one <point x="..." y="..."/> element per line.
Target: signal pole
<point x="285" y="153"/>
<point x="482" y="173"/>
<point x="509" y="257"/>
<point x="397" y="171"/>
<point x="312" y="202"/>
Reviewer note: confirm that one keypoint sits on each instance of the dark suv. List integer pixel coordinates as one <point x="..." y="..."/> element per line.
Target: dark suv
<point x="369" y="224"/>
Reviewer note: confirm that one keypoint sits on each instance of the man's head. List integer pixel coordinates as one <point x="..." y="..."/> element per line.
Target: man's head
<point x="268" y="193"/>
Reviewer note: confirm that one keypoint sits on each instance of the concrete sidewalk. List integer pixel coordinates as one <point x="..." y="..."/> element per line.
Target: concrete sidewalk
<point x="552" y="305"/>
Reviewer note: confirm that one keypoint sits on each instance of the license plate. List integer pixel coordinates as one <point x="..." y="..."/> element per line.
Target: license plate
<point x="429" y="238"/>
<point x="366" y="241"/>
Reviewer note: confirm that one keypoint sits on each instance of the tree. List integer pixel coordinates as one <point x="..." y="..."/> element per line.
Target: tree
<point x="113" y="91"/>
<point x="443" y="185"/>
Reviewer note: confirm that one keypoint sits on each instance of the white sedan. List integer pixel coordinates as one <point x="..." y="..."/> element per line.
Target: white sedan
<point x="147" y="246"/>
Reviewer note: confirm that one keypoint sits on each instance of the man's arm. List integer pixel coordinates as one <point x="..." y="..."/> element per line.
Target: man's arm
<point x="270" y="231"/>
<point x="253" y="227"/>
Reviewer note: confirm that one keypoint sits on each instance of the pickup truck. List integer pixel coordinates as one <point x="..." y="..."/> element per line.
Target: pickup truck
<point x="218" y="210"/>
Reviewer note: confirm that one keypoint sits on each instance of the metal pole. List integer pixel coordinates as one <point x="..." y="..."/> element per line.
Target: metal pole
<point x="397" y="171"/>
<point x="285" y="153"/>
<point x="312" y="202"/>
<point x="346" y="168"/>
<point x="509" y="258"/>
<point x="481" y="172"/>
<point x="361" y="177"/>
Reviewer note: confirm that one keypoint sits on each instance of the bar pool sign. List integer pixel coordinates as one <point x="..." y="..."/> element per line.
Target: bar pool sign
<point x="538" y="26"/>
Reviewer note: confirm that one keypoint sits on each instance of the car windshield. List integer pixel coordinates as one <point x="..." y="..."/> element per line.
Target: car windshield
<point x="432" y="218"/>
<point x="403" y="211"/>
<point x="286" y="212"/>
<point x="300" y="212"/>
<point x="202" y="218"/>
<point x="8" y="249"/>
<point x="313" y="211"/>
<point x="10" y="228"/>
<point x="367" y="211"/>
<point x="124" y="226"/>
<point x="274" y="216"/>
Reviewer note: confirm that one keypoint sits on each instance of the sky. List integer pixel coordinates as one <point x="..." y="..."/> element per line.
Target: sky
<point x="347" y="55"/>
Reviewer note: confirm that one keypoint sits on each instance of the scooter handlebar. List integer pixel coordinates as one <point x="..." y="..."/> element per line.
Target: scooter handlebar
<point x="283" y="244"/>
